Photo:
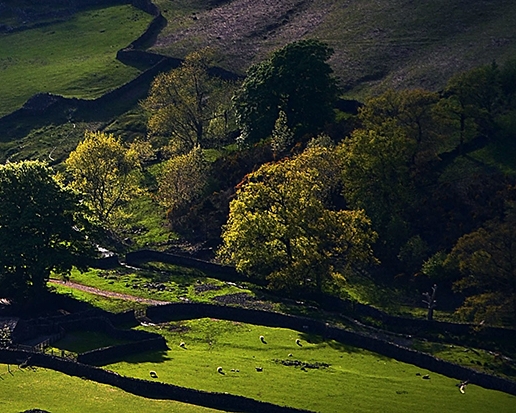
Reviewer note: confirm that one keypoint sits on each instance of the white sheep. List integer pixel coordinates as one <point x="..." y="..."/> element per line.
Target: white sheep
<point x="298" y="342"/>
<point x="182" y="344"/>
<point x="153" y="374"/>
<point x="219" y="370"/>
<point x="262" y="339"/>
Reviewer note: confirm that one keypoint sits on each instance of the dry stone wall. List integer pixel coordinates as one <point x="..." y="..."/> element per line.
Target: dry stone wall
<point x="181" y="311"/>
<point x="145" y="388"/>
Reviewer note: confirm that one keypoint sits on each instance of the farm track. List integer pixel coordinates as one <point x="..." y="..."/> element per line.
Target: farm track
<point x="110" y="294"/>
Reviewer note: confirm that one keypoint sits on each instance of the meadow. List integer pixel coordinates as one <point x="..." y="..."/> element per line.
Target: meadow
<point x="316" y="374"/>
<point x="73" y="58"/>
<point x="56" y="392"/>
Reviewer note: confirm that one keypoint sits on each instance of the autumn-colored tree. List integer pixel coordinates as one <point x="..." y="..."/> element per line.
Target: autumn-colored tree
<point x="280" y="227"/>
<point x="486" y="259"/>
<point x="105" y="172"/>
<point x="188" y="105"/>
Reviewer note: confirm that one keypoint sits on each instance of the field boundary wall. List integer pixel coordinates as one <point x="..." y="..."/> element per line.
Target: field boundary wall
<point x="182" y="311"/>
<point x="145" y="388"/>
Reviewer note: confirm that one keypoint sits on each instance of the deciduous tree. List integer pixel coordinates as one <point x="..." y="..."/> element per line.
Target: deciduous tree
<point x="376" y="177"/>
<point x="188" y="105"/>
<point x="182" y="181"/>
<point x="470" y="103"/>
<point x="105" y="171"/>
<point x="41" y="229"/>
<point x="486" y="259"/>
<point x="280" y="227"/>
<point x="296" y="80"/>
<point x="412" y="111"/>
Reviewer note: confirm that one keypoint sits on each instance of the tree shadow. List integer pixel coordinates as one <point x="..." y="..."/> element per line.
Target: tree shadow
<point x="335" y="345"/>
<point x="160" y="356"/>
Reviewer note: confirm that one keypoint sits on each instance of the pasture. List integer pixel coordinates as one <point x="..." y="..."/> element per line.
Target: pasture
<point x="73" y="58"/>
<point x="56" y="392"/>
<point x="319" y="375"/>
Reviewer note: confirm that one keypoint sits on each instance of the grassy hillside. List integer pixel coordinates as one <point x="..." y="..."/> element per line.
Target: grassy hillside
<point x="76" y="57"/>
<point x="56" y="392"/>
<point x="378" y="44"/>
<point x="318" y="375"/>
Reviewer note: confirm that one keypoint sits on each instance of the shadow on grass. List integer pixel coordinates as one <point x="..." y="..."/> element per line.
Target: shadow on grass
<point x="148" y="357"/>
<point x="335" y="345"/>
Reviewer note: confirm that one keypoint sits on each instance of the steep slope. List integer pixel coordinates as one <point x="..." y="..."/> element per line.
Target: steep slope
<point x="378" y="43"/>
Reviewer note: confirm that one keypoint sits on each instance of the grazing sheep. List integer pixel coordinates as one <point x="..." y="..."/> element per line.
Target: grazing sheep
<point x="262" y="339"/>
<point x="259" y="368"/>
<point x="219" y="370"/>
<point x="462" y="386"/>
<point x="298" y="342"/>
<point x="290" y="354"/>
<point x="426" y="376"/>
<point x="182" y="344"/>
<point x="153" y="374"/>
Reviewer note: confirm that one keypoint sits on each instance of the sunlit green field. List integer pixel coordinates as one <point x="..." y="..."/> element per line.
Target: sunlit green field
<point x="347" y="379"/>
<point x="73" y="58"/>
<point x="58" y="393"/>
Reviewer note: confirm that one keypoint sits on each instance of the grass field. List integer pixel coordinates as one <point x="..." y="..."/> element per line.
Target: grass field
<point x="73" y="58"/>
<point x="58" y="393"/>
<point x="112" y="305"/>
<point x="179" y="283"/>
<point x="335" y="378"/>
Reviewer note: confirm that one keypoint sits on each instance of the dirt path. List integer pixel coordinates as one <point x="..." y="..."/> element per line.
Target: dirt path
<point x="110" y="294"/>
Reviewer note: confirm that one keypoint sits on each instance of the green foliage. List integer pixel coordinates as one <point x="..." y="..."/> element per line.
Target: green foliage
<point x="182" y="181"/>
<point x="376" y="176"/>
<point x="105" y="172"/>
<point x="409" y="110"/>
<point x="281" y="228"/>
<point x="41" y="229"/>
<point x="487" y="260"/>
<point x="471" y="101"/>
<point x="435" y="267"/>
<point x="296" y="80"/>
<point x="188" y="105"/>
<point x="412" y="253"/>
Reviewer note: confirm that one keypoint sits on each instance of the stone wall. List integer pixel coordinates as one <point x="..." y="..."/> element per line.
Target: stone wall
<point x="145" y="388"/>
<point x="222" y="272"/>
<point x="181" y="311"/>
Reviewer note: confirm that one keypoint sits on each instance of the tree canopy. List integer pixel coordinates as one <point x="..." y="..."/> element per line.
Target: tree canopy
<point x="105" y="172"/>
<point x="281" y="228"/>
<point x="41" y="229"/>
<point x="296" y="80"/>
<point x="486" y="258"/>
<point x="188" y="105"/>
<point x="182" y="181"/>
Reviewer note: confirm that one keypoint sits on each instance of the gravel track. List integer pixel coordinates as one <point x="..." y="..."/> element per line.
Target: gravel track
<point x="111" y="294"/>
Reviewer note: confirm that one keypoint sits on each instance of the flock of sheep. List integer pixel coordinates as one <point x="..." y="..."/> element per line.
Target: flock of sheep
<point x="220" y="370"/>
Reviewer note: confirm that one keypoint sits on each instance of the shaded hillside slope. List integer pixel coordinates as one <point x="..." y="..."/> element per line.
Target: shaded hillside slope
<point x="378" y="44"/>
